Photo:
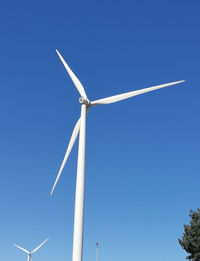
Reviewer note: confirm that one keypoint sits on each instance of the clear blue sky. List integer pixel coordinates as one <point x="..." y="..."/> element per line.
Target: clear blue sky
<point x="142" y="156"/>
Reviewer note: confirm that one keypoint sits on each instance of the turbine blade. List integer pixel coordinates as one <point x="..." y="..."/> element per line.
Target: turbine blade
<point x="127" y="95"/>
<point x="39" y="246"/>
<point x="75" y="80"/>
<point x="22" y="249"/>
<point x="71" y="143"/>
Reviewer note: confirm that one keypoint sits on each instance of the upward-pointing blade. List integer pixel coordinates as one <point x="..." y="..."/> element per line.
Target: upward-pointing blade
<point x="39" y="246"/>
<point x="127" y="95"/>
<point x="22" y="249"/>
<point x="75" y="80"/>
<point x="71" y="143"/>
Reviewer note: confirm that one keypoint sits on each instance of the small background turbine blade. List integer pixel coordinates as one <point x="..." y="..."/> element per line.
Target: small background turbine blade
<point x="26" y="251"/>
<point x="39" y="246"/>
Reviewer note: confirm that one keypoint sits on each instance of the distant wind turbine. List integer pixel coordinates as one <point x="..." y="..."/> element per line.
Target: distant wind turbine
<point x="80" y="126"/>
<point x="30" y="253"/>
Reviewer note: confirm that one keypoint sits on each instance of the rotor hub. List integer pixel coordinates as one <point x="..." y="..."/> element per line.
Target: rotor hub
<point x="82" y="100"/>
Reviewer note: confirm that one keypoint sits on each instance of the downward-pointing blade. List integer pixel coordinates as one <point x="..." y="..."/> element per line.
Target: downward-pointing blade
<point x="75" y="80"/>
<point x="71" y="143"/>
<point x="22" y="249"/>
<point x="127" y="95"/>
<point x="39" y="246"/>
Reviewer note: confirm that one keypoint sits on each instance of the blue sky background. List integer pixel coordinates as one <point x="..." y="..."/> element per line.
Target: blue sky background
<point x="142" y="155"/>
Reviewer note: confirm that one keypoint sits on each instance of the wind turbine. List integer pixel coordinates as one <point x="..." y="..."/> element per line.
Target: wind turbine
<point x="30" y="253"/>
<point x="80" y="126"/>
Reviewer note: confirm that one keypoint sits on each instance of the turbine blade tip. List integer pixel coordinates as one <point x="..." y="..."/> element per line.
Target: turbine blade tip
<point x="181" y="81"/>
<point x="58" y="52"/>
<point x="52" y="190"/>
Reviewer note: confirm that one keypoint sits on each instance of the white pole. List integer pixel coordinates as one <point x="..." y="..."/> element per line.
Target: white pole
<point x="97" y="245"/>
<point x="80" y="185"/>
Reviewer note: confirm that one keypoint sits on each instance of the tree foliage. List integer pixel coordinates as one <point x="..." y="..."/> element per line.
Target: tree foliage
<point x="190" y="241"/>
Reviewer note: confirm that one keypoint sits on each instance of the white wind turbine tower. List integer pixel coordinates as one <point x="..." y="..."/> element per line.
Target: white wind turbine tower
<point x="80" y="126"/>
<point x="30" y="253"/>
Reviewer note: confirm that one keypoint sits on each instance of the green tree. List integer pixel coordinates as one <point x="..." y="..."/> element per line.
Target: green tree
<point x="190" y="241"/>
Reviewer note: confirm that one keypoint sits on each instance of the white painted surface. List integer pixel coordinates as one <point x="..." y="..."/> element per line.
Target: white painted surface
<point x="127" y="95"/>
<point x="80" y="187"/>
<point x="75" y="80"/>
<point x="69" y="148"/>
